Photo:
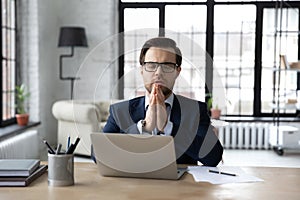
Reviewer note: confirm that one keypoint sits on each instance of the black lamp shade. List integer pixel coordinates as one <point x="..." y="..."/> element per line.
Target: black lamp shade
<point x="72" y="36"/>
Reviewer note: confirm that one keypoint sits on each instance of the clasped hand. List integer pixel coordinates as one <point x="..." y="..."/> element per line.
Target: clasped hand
<point x="156" y="115"/>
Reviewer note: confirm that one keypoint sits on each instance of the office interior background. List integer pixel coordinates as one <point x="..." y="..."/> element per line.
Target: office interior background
<point x="231" y="51"/>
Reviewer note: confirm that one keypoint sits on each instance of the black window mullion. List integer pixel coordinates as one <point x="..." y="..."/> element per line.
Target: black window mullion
<point x="258" y="57"/>
<point x="162" y="20"/>
<point x="121" y="52"/>
<point x="209" y="48"/>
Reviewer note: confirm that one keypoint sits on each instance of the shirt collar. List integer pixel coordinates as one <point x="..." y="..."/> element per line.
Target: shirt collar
<point x="169" y="100"/>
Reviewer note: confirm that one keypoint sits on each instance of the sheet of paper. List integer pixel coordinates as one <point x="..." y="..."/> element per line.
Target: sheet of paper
<point x="202" y="174"/>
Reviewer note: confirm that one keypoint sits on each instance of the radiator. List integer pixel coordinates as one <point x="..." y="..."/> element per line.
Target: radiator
<point x="245" y="135"/>
<point x="23" y="145"/>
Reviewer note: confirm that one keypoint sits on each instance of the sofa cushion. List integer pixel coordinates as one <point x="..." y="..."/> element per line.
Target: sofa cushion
<point x="78" y="112"/>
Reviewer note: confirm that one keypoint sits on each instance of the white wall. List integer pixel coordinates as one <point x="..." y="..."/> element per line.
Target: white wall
<point x="40" y="21"/>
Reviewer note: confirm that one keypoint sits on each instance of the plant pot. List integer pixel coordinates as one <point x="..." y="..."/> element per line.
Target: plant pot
<point x="215" y="113"/>
<point x="22" y="119"/>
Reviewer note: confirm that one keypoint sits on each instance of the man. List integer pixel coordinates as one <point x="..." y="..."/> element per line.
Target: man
<point x="161" y="112"/>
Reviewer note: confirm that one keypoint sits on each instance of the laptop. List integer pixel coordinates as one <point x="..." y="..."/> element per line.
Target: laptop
<point x="136" y="155"/>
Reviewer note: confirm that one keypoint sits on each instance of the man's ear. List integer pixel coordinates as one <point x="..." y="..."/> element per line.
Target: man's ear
<point x="178" y="70"/>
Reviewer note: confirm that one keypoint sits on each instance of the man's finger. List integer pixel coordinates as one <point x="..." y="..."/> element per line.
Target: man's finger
<point x="160" y="96"/>
<point x="162" y="116"/>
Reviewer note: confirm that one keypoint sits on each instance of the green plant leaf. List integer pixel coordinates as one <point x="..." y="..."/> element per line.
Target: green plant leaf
<point x="21" y="97"/>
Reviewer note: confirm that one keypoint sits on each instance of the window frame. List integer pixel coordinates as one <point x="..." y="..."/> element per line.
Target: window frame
<point x="11" y="120"/>
<point x="260" y="5"/>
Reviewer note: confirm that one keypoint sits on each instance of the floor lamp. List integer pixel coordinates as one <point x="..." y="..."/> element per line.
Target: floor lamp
<point x="70" y="37"/>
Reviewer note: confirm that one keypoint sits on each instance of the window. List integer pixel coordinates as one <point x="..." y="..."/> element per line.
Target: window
<point x="240" y="38"/>
<point x="280" y="37"/>
<point x="234" y="48"/>
<point x="142" y="23"/>
<point x="8" y="68"/>
<point x="191" y="22"/>
<point x="133" y="39"/>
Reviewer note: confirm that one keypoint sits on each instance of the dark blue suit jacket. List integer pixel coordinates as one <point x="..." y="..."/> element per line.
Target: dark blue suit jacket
<point x="190" y="146"/>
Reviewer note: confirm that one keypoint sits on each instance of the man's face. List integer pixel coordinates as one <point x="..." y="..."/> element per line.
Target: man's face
<point x="165" y="80"/>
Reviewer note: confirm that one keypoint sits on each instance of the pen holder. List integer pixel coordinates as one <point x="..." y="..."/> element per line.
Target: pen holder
<point x="60" y="169"/>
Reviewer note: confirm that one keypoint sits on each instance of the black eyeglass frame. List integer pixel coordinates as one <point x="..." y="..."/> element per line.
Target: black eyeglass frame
<point x="175" y="65"/>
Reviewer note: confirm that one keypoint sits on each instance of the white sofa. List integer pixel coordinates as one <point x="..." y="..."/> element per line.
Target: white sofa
<point x="80" y="118"/>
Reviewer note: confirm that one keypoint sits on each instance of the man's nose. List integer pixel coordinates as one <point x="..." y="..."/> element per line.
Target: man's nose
<point x="159" y="70"/>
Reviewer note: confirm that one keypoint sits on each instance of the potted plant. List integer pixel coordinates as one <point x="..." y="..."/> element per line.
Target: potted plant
<point x="215" y="112"/>
<point x="21" y="96"/>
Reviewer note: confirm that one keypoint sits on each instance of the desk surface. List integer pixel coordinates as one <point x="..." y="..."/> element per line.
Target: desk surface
<point x="279" y="183"/>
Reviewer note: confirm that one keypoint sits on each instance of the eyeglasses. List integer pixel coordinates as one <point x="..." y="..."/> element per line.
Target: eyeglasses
<point x="166" y="67"/>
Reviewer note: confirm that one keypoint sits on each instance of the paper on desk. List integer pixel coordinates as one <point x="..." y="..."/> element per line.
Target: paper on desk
<point x="201" y="174"/>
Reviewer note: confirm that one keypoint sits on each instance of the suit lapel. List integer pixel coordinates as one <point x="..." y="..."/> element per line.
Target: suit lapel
<point x="137" y="109"/>
<point x="175" y="116"/>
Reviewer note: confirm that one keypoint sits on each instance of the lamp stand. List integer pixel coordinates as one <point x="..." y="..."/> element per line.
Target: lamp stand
<point x="72" y="79"/>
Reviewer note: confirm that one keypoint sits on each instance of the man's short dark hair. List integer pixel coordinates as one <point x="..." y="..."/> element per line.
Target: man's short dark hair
<point x="162" y="42"/>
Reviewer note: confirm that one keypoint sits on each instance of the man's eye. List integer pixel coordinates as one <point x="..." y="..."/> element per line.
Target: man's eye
<point x="167" y="65"/>
<point x="152" y="66"/>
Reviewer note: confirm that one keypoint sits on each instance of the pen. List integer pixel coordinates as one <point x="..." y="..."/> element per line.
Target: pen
<point x="49" y="147"/>
<point x="72" y="147"/>
<point x="68" y="142"/>
<point x="223" y="173"/>
<point x="58" y="149"/>
<point x="76" y="142"/>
